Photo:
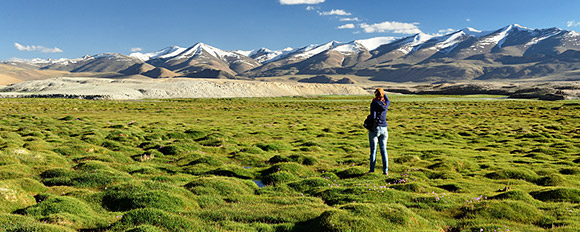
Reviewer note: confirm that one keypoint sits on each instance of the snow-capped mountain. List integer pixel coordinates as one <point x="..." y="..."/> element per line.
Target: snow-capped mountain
<point x="194" y="60"/>
<point x="264" y="55"/>
<point x="163" y="53"/>
<point x="104" y="62"/>
<point x="465" y="53"/>
<point x="45" y="62"/>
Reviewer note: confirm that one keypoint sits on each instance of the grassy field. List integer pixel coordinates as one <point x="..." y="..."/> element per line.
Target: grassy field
<point x="471" y="163"/>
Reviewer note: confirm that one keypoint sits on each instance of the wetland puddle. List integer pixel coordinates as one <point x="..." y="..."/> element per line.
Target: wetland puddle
<point x="259" y="183"/>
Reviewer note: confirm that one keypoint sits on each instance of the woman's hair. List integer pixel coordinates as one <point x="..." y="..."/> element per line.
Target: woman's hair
<point x="380" y="93"/>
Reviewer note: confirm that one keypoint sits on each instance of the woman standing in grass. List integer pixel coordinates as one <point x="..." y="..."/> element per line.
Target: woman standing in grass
<point x="379" y="107"/>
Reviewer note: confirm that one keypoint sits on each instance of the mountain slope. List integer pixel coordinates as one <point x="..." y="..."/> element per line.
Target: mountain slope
<point x="105" y="62"/>
<point x="204" y="59"/>
<point x="511" y="52"/>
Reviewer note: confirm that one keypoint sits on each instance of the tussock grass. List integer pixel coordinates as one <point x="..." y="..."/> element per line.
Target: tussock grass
<point x="460" y="163"/>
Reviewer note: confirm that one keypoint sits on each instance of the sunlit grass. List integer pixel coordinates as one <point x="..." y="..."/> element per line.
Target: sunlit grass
<point x="455" y="163"/>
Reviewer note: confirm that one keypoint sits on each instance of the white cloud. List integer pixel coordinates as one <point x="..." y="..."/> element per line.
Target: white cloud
<point x="310" y="8"/>
<point x="573" y="23"/>
<point x="136" y="49"/>
<point x="346" y="26"/>
<point x="335" y="12"/>
<point x="392" y="27"/>
<point x="32" y="48"/>
<point x="296" y="2"/>
<point x="350" y="19"/>
<point x="468" y="20"/>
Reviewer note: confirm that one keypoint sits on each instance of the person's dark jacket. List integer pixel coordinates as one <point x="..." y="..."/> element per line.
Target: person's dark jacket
<point x="379" y="110"/>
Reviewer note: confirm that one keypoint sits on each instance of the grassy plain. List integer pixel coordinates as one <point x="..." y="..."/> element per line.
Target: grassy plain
<point x="471" y="163"/>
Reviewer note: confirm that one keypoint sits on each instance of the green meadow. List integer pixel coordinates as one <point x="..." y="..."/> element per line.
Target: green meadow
<point x="456" y="163"/>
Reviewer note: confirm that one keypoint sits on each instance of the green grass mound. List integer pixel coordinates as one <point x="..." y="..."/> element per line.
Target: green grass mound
<point x="15" y="171"/>
<point x="301" y="159"/>
<point x="443" y="174"/>
<point x="221" y="186"/>
<point x="271" y="210"/>
<point x="19" y="223"/>
<point x="65" y="210"/>
<point x="453" y="187"/>
<point x="414" y="187"/>
<point x="178" y="149"/>
<point x="147" y="194"/>
<point x="452" y="164"/>
<point x="274" y="146"/>
<point x="213" y="140"/>
<point x="516" y="211"/>
<point x="407" y="158"/>
<point x="195" y="134"/>
<point x="285" y="172"/>
<point x="513" y="173"/>
<point x="515" y="195"/>
<point x="148" y="218"/>
<point x="91" y="174"/>
<point x="503" y="210"/>
<point x="352" y="172"/>
<point x="75" y="149"/>
<point x="336" y="196"/>
<point x="368" y="217"/>
<point x="145" y="228"/>
<point x="208" y="160"/>
<point x="310" y="185"/>
<point x="36" y="158"/>
<point x="232" y="171"/>
<point x="558" y="195"/>
<point x="551" y="180"/>
<point x="18" y="193"/>
<point x="570" y="171"/>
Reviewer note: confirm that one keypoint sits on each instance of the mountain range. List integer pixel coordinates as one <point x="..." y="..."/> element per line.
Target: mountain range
<point x="513" y="52"/>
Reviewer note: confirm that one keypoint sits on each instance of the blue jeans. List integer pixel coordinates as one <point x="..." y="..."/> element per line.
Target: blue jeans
<point x="380" y="135"/>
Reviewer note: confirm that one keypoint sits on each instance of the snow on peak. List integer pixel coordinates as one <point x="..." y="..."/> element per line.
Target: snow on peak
<point x="548" y="34"/>
<point x="498" y="36"/>
<point x="521" y="27"/>
<point x="203" y="49"/>
<point x="413" y="43"/>
<point x="474" y="32"/>
<point x="264" y="55"/>
<point x="471" y="29"/>
<point x="448" y="42"/>
<point x="363" y="44"/>
<point x="243" y="52"/>
<point x="106" y="55"/>
<point x="35" y="61"/>
<point x="348" y="48"/>
<point x="312" y="50"/>
<point x="373" y="43"/>
<point x="161" y="54"/>
<point x="417" y="39"/>
<point x="259" y="52"/>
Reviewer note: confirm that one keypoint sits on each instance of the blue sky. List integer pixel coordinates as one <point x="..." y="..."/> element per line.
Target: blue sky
<point x="73" y="28"/>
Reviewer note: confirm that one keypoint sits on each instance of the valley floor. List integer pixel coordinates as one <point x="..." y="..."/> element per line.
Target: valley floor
<point x="456" y="163"/>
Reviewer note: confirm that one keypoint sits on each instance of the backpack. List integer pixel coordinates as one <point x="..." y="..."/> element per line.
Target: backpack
<point x="371" y="123"/>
